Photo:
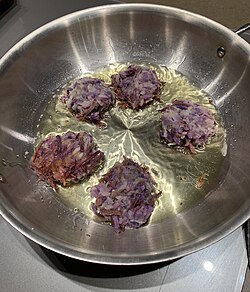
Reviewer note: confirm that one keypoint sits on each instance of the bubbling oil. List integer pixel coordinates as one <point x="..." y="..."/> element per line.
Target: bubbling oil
<point x="183" y="179"/>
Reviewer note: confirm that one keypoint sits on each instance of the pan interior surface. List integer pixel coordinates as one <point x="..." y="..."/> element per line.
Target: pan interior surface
<point x="81" y="43"/>
<point x="183" y="179"/>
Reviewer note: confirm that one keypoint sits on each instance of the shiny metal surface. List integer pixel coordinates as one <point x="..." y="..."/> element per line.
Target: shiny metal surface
<point x="91" y="39"/>
<point x="243" y="29"/>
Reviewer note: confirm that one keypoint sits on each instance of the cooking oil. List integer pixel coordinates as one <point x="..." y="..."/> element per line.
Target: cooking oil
<point x="183" y="178"/>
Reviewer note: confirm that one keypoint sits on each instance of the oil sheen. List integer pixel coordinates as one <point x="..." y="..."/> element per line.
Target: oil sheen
<point x="183" y="179"/>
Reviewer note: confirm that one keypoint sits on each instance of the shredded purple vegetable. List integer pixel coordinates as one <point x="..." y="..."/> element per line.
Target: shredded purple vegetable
<point x="125" y="196"/>
<point x="187" y="124"/>
<point x="66" y="158"/>
<point x="88" y="99"/>
<point x="136" y="87"/>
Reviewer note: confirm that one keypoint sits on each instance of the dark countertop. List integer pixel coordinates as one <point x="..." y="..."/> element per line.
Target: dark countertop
<point x="230" y="13"/>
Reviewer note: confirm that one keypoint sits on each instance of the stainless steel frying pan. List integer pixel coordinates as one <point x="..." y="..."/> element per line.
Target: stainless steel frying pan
<point x="212" y="56"/>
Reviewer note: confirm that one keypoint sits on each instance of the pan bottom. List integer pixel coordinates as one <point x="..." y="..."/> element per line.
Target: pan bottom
<point x="183" y="179"/>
